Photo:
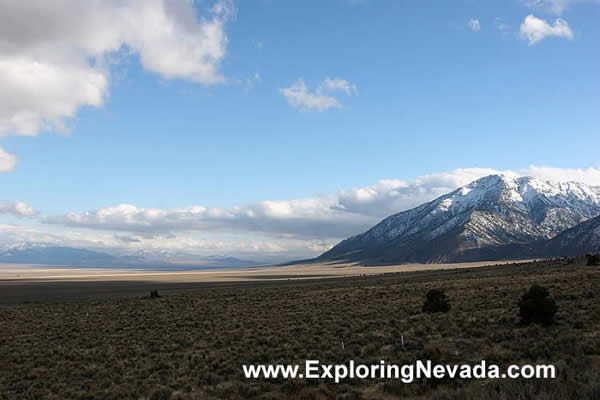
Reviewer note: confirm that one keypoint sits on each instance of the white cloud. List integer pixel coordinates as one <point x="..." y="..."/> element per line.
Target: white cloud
<point x="7" y="161"/>
<point x="474" y="25"/>
<point x="334" y="84"/>
<point x="53" y="55"/>
<point x="18" y="209"/>
<point x="388" y="197"/>
<point x="39" y="95"/>
<point x="299" y="96"/>
<point x="535" y="29"/>
<point x="590" y="176"/>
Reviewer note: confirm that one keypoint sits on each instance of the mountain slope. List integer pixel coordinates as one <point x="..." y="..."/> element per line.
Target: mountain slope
<point x="581" y="239"/>
<point x="494" y="217"/>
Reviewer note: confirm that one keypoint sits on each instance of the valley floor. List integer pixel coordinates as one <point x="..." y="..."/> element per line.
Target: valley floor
<point x="97" y="339"/>
<point x="40" y="283"/>
<point x="41" y="273"/>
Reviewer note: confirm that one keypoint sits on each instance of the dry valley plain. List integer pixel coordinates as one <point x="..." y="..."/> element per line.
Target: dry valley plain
<point x="110" y="340"/>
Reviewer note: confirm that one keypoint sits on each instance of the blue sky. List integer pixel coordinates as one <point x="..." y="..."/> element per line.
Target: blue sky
<point x="416" y="88"/>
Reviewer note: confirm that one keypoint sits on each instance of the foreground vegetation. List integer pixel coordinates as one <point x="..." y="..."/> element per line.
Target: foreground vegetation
<point x="191" y="345"/>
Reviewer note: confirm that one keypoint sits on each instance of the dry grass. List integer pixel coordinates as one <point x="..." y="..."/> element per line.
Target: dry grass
<point x="192" y="345"/>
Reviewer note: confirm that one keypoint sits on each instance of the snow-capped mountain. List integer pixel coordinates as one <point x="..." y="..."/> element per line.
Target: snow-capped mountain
<point x="497" y="216"/>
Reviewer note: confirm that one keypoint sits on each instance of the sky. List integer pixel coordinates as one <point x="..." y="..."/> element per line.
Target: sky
<point x="271" y="129"/>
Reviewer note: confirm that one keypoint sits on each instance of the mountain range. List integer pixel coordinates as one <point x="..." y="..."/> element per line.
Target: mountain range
<point x="493" y="218"/>
<point x="31" y="253"/>
<point x="46" y="254"/>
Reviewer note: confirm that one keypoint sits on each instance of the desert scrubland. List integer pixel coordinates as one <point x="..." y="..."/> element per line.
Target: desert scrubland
<point x="191" y="342"/>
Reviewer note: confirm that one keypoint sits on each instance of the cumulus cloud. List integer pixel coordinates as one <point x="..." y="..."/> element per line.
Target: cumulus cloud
<point x="53" y="55"/>
<point x="474" y="25"/>
<point x="535" y="29"/>
<point x="40" y="95"/>
<point x="7" y="161"/>
<point x="337" y="216"/>
<point x="18" y="209"/>
<point x="299" y="96"/>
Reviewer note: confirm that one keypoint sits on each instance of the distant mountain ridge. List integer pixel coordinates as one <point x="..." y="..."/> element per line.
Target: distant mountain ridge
<point x="28" y="253"/>
<point x="495" y="217"/>
<point x="46" y="254"/>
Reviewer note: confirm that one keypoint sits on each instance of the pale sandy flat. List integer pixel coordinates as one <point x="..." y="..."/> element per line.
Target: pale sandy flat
<point x="21" y="272"/>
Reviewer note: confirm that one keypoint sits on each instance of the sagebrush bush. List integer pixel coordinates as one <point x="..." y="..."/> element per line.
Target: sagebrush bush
<point x="537" y="306"/>
<point x="436" y="301"/>
<point x="593" y="259"/>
